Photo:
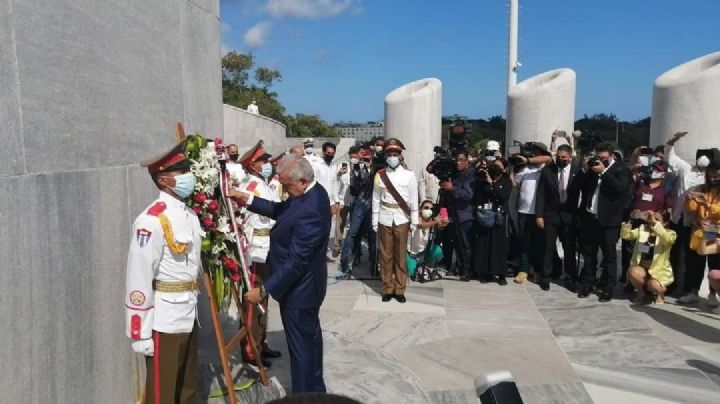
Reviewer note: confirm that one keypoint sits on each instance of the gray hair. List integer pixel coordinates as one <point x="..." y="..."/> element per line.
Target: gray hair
<point x="298" y="168"/>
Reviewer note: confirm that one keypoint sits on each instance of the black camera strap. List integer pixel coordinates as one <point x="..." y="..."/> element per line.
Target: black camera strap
<point x="391" y="188"/>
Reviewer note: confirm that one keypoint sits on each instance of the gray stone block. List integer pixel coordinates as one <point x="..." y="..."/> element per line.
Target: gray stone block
<point x="245" y="129"/>
<point x="212" y="7"/>
<point x="62" y="287"/>
<point x="202" y="84"/>
<point x="11" y="152"/>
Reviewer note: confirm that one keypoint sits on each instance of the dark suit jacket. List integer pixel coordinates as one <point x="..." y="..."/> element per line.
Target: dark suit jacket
<point x="547" y="199"/>
<point x="298" y="244"/>
<point x="613" y="197"/>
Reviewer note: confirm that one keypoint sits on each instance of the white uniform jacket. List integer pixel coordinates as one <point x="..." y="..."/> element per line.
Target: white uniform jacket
<point x="384" y="207"/>
<point x="257" y="227"/>
<point x="149" y="258"/>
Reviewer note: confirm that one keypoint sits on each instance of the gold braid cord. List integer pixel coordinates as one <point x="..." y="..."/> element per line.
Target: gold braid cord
<point x="175" y="247"/>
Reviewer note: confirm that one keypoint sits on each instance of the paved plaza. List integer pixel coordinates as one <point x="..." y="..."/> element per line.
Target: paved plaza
<point x="560" y="349"/>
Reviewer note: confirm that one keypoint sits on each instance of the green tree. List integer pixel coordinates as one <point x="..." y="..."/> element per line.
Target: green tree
<point x="302" y="125"/>
<point x="266" y="77"/>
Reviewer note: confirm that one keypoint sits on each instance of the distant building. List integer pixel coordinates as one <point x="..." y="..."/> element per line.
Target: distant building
<point x="362" y="132"/>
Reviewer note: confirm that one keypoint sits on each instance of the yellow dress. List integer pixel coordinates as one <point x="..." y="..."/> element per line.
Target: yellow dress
<point x="702" y="213"/>
<point x="660" y="268"/>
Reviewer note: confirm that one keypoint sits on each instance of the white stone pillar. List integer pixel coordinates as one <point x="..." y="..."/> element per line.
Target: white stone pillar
<point x="413" y="114"/>
<point x="540" y="105"/>
<point x="687" y="99"/>
<point x="512" y="45"/>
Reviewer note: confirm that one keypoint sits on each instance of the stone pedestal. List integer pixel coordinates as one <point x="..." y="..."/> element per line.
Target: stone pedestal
<point x="540" y="105"/>
<point x="686" y="99"/>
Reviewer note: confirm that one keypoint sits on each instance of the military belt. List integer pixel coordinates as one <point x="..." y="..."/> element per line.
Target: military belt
<point x="390" y="205"/>
<point x="261" y="232"/>
<point x="174" y="287"/>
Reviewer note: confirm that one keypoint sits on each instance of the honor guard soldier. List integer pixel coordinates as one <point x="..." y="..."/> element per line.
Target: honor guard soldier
<point x="161" y="289"/>
<point x="394" y="216"/>
<point x="260" y="183"/>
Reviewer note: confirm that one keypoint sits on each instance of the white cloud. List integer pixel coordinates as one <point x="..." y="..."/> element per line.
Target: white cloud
<point x="256" y="36"/>
<point x="311" y="8"/>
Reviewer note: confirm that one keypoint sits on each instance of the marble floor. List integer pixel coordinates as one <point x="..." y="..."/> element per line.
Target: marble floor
<point x="559" y="348"/>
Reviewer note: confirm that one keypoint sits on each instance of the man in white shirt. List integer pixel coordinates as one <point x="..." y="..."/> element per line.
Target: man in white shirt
<point x="234" y="168"/>
<point x="687" y="176"/>
<point x="394" y="218"/>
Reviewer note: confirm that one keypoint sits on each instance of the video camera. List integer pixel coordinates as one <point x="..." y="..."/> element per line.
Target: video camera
<point x="586" y="143"/>
<point x="443" y="165"/>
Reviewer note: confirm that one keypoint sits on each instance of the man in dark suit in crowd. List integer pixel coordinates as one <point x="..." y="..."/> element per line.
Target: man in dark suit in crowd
<point x="605" y="188"/>
<point x="556" y="209"/>
<point x="297" y="266"/>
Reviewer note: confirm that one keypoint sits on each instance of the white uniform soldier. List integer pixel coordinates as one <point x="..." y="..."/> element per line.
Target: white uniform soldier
<point x="257" y="231"/>
<point x="394" y="217"/>
<point x="161" y="288"/>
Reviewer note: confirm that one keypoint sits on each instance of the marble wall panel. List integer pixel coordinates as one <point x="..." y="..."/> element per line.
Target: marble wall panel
<point x="11" y="153"/>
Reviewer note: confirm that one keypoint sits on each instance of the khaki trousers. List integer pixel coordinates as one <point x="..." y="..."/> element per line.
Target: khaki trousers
<point x="340" y="224"/>
<point x="393" y="251"/>
<point x="174" y="368"/>
<point x="254" y="319"/>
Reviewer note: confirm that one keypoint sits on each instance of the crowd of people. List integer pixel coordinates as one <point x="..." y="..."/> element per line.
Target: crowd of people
<point x="547" y="215"/>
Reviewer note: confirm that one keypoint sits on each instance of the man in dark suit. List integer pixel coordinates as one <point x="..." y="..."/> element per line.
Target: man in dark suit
<point x="605" y="189"/>
<point x="556" y="208"/>
<point x="297" y="266"/>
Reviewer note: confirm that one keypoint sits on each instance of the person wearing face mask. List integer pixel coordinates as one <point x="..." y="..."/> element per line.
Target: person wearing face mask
<point x="344" y="196"/>
<point x="492" y="243"/>
<point x="687" y="176"/>
<point x="257" y="232"/>
<point x="703" y="203"/>
<point x="233" y="166"/>
<point x="361" y="190"/>
<point x="162" y="282"/>
<point x="605" y="188"/>
<point x="556" y="209"/>
<point x="418" y="251"/>
<point x="394" y="217"/>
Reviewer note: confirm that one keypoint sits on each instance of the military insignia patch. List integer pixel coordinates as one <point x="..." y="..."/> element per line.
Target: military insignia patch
<point x="137" y="298"/>
<point x="143" y="236"/>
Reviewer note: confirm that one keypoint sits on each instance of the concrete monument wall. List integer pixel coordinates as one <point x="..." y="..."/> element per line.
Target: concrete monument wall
<point x="413" y="114"/>
<point x="540" y="105"/>
<point x="88" y="90"/>
<point x="245" y="129"/>
<point x="687" y="99"/>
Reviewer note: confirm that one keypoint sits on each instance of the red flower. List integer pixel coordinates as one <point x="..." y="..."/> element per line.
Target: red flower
<point x="235" y="277"/>
<point x="197" y="209"/>
<point x="230" y="265"/>
<point x="213" y="206"/>
<point x="199" y="197"/>
<point x="208" y="223"/>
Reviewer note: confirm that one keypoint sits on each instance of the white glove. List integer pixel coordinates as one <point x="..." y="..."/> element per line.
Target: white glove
<point x="144" y="347"/>
<point x="412" y="228"/>
<point x="375" y="228"/>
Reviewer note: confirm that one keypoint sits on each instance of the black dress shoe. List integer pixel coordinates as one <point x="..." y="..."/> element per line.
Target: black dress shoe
<point x="400" y="298"/>
<point x="544" y="284"/>
<point x="386" y="297"/>
<point x="483" y="278"/>
<point x="465" y="278"/>
<point x="571" y="285"/>
<point x="268" y="353"/>
<point x="605" y="296"/>
<point x="501" y="280"/>
<point x="265" y="363"/>
<point x="583" y="292"/>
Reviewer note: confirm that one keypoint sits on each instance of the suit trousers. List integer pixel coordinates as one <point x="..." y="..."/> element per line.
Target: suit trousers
<point x="465" y="236"/>
<point x="393" y="251"/>
<point x="340" y="224"/>
<point x="596" y="237"/>
<point x="568" y="237"/>
<point x="305" y="344"/>
<point x="531" y="245"/>
<point x="255" y="320"/>
<point x="173" y="369"/>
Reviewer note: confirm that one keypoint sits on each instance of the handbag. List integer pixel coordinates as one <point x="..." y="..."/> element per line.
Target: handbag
<point x="486" y="217"/>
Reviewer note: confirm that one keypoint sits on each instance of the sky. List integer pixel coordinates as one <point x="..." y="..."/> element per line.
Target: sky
<point x="340" y="58"/>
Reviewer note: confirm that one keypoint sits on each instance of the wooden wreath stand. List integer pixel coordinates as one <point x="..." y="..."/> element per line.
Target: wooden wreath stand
<point x="244" y="332"/>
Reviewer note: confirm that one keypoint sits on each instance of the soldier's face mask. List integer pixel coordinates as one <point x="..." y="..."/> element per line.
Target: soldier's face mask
<point x="184" y="185"/>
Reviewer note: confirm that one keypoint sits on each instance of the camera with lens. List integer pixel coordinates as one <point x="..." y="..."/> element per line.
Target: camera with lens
<point x="443" y="166"/>
<point x="647" y="249"/>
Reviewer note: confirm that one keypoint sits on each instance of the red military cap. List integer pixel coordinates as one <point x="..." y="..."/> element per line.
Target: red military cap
<point x="254" y="154"/>
<point x="174" y="159"/>
<point x="393" y="144"/>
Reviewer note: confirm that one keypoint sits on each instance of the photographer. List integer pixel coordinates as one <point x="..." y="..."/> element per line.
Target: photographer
<point x="419" y="252"/>
<point x="460" y="191"/>
<point x="492" y="243"/>
<point x="361" y="189"/>
<point x="687" y="176"/>
<point x="556" y="209"/>
<point x="527" y="165"/>
<point x="604" y="198"/>
<point x="650" y="263"/>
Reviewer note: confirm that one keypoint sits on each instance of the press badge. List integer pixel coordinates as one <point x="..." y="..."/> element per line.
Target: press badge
<point x="647" y="197"/>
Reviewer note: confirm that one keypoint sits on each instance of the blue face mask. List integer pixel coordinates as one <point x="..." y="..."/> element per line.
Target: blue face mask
<point x="266" y="170"/>
<point x="393" y="161"/>
<point x="184" y="185"/>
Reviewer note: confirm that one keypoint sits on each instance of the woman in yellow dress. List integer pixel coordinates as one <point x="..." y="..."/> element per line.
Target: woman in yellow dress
<point x="650" y="263"/>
